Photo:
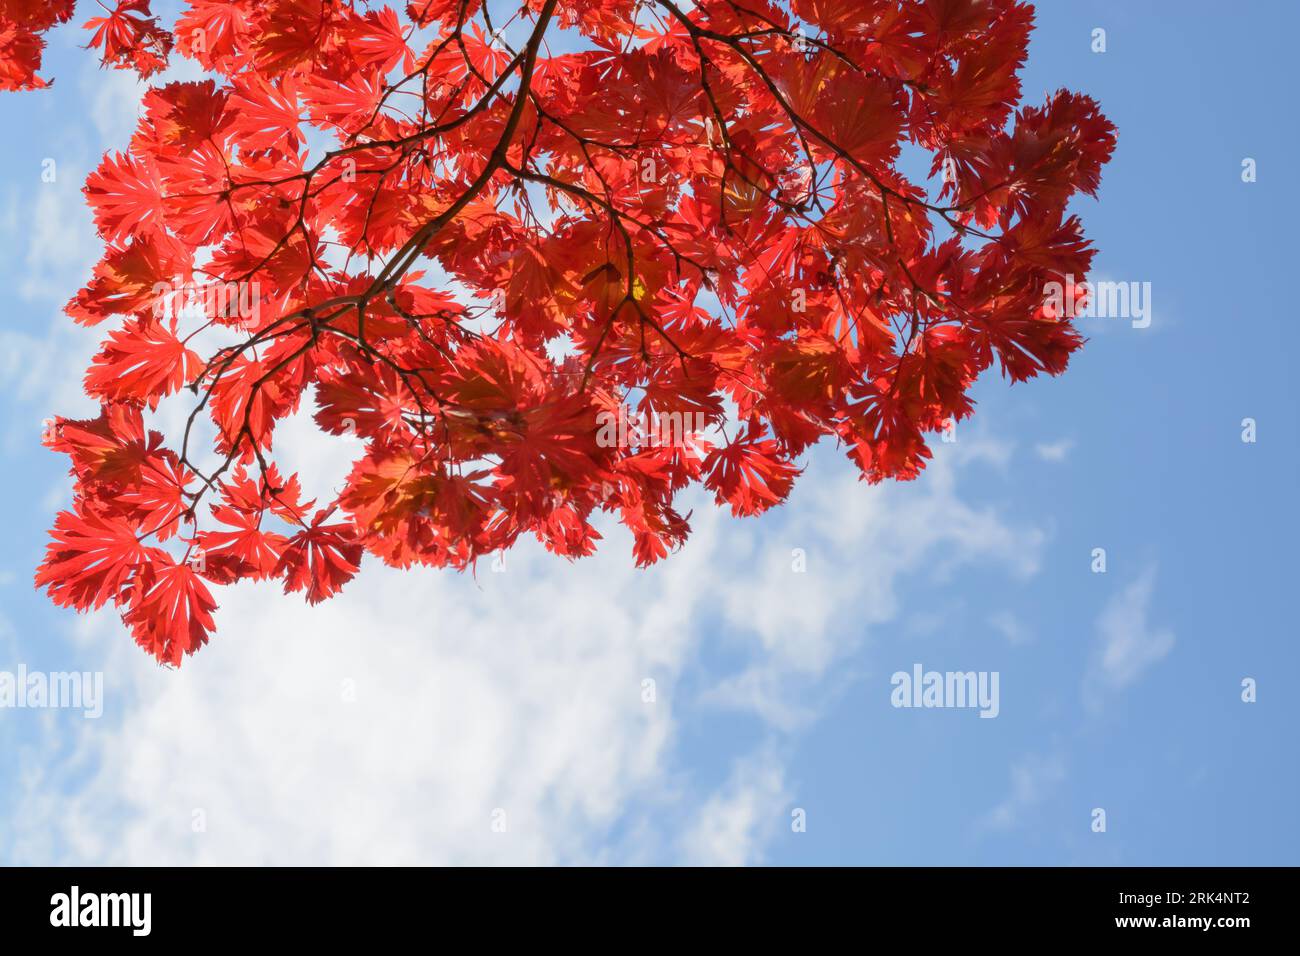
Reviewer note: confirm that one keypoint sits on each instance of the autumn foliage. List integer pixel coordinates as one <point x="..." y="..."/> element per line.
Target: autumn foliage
<point x="462" y="235"/>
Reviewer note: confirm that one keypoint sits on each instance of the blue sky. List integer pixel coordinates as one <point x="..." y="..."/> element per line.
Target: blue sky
<point x="390" y="724"/>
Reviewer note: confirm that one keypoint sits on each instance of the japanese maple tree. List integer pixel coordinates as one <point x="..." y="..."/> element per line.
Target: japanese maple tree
<point x="464" y="234"/>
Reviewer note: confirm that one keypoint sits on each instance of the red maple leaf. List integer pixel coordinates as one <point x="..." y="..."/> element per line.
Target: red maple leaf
<point x="131" y="38"/>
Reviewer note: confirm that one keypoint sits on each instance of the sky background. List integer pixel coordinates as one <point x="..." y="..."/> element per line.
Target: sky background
<point x="390" y="724"/>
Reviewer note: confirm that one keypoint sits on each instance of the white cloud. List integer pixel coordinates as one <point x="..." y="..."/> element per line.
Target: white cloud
<point x="59" y="234"/>
<point x="1056" y="451"/>
<point x="1011" y="628"/>
<point x="513" y="695"/>
<point x="1127" y="645"/>
<point x="857" y="543"/>
<point x="41" y="366"/>
<point x="518" y="691"/>
<point x="733" y="825"/>
<point x="116" y="96"/>
<point x="1032" y="779"/>
<point x="41" y="376"/>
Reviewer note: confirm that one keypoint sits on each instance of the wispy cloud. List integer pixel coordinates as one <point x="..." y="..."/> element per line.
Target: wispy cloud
<point x="1127" y="644"/>
<point x="1032" y="780"/>
<point x="1011" y="628"/>
<point x="732" y="827"/>
<point x="856" y="545"/>
<point x="1056" y="451"/>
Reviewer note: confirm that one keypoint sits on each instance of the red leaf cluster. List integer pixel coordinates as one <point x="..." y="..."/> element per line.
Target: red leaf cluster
<point x="468" y="234"/>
